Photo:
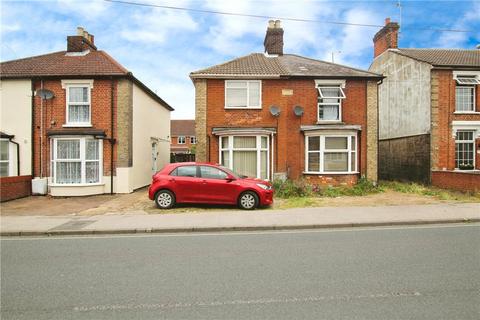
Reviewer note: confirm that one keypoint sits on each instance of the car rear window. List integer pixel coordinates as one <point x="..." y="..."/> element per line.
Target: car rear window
<point x="212" y="173"/>
<point x="185" y="171"/>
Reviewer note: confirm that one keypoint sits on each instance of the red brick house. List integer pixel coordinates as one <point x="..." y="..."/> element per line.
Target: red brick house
<point x="182" y="136"/>
<point x="429" y="113"/>
<point x="85" y="124"/>
<point x="274" y="115"/>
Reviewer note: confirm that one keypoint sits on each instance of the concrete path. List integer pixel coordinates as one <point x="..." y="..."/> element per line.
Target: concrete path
<point x="300" y="218"/>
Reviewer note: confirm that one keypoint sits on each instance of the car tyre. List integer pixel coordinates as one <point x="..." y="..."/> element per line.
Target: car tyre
<point x="164" y="199"/>
<point x="248" y="200"/>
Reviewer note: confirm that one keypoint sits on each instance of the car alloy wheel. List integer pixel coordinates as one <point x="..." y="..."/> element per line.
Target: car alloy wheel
<point x="164" y="199"/>
<point x="248" y="200"/>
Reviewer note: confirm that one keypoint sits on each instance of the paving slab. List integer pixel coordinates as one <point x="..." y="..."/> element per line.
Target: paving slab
<point x="298" y="218"/>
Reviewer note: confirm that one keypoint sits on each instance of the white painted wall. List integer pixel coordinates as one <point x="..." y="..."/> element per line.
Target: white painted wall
<point x="16" y="119"/>
<point x="404" y="96"/>
<point x="151" y="122"/>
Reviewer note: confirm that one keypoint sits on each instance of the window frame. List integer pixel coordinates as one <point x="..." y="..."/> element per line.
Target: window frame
<point x="248" y="106"/>
<point x="179" y="140"/>
<point x="322" y="152"/>
<point x="9" y="161"/>
<point x="472" y="142"/>
<point x="320" y="97"/>
<point x="473" y="88"/>
<point x="258" y="148"/>
<point x="193" y="140"/>
<point x="83" y="160"/>
<point x="67" y="85"/>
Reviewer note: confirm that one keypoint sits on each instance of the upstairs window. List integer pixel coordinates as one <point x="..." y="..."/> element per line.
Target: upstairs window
<point x="465" y="93"/>
<point x="193" y="140"/>
<point x="330" y="103"/>
<point x="78" y="101"/>
<point x="181" y="140"/>
<point x="243" y="94"/>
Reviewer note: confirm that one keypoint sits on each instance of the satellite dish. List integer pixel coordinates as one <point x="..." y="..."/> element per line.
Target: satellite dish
<point x="275" y="111"/>
<point x="44" y="94"/>
<point x="298" y="110"/>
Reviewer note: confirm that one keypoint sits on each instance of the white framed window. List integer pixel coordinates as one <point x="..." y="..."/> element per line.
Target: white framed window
<point x="243" y="94"/>
<point x="464" y="98"/>
<point x="77" y="161"/>
<point x="465" y="150"/>
<point x="193" y="140"/>
<point x="78" y="102"/>
<point x="331" y="154"/>
<point x="5" y="166"/>
<point x="246" y="155"/>
<point x="181" y="140"/>
<point x="330" y="102"/>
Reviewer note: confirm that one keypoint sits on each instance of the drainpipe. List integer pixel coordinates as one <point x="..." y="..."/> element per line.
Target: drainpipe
<point x="41" y="132"/>
<point x="32" y="141"/>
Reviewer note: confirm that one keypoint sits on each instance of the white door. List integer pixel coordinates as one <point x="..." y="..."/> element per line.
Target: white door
<point x="154" y="157"/>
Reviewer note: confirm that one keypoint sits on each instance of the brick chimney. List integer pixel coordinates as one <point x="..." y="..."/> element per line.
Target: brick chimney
<point x="274" y="38"/>
<point x="386" y="38"/>
<point x="81" y="42"/>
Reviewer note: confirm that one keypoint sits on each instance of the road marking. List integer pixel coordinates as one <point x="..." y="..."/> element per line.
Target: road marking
<point x="242" y="233"/>
<point x="263" y="301"/>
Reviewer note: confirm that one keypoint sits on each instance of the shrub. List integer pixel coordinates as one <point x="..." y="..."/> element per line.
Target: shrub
<point x="289" y="188"/>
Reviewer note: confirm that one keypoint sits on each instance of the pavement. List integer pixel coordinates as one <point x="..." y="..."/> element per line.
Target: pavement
<point x="299" y="218"/>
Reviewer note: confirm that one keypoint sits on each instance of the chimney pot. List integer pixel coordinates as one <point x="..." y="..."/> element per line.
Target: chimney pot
<point x="271" y="24"/>
<point x="81" y="42"/>
<point x="387" y="21"/>
<point x="80" y="31"/>
<point x="278" y="24"/>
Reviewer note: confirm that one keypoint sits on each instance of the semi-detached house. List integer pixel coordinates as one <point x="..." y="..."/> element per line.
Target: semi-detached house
<point x="79" y="123"/>
<point x="274" y="115"/>
<point x="429" y="113"/>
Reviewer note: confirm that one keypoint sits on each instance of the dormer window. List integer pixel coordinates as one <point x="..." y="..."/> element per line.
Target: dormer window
<point x="78" y="102"/>
<point x="330" y="102"/>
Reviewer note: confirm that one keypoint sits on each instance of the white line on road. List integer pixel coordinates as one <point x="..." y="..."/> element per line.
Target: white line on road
<point x="241" y="233"/>
<point x="153" y="306"/>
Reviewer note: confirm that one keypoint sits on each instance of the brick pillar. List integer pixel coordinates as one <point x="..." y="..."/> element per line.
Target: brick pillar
<point x="372" y="130"/>
<point x="125" y="121"/>
<point x="434" y="123"/>
<point x="201" y="119"/>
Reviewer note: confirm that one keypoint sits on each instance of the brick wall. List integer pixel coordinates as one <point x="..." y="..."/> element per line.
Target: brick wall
<point x="463" y="181"/>
<point x="406" y="158"/>
<point x="125" y="121"/>
<point x="289" y="141"/>
<point x="201" y="119"/>
<point x="54" y="113"/>
<point x="15" y="187"/>
<point x="187" y="144"/>
<point x="443" y="108"/>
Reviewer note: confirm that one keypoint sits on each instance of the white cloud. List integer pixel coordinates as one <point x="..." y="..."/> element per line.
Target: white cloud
<point x="469" y="21"/>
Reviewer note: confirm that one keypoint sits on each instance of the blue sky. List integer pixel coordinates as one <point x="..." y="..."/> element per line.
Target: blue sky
<point x="161" y="47"/>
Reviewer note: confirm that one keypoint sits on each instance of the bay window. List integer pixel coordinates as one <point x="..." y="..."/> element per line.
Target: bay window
<point x="76" y="161"/>
<point x="4" y="158"/>
<point x="465" y="150"/>
<point x="246" y="155"/>
<point x="243" y="94"/>
<point x="331" y="154"/>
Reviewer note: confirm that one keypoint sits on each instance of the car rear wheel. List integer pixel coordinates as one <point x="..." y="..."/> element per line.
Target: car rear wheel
<point x="248" y="200"/>
<point x="164" y="199"/>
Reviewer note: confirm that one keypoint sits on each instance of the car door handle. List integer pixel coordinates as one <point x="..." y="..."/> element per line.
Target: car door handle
<point x="204" y="181"/>
<point x="172" y="179"/>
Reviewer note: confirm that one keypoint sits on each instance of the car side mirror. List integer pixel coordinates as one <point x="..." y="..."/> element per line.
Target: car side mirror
<point x="230" y="178"/>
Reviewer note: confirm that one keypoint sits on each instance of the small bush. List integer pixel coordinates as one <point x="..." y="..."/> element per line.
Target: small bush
<point x="290" y="188"/>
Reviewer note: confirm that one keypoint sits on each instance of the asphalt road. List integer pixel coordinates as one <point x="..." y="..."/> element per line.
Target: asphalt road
<point x="377" y="273"/>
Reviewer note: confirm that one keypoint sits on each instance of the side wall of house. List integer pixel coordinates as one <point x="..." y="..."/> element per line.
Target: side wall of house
<point x="151" y="124"/>
<point x="404" y="117"/>
<point x="16" y="119"/>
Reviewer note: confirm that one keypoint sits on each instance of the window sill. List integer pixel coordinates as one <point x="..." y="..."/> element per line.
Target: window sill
<point x="326" y="173"/>
<point x="466" y="112"/>
<point x="329" y="121"/>
<point x="78" y="125"/>
<point x="76" y="184"/>
<point x="243" y="108"/>
<point x="472" y="170"/>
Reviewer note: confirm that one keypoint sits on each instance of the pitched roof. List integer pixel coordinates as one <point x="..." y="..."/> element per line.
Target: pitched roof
<point x="94" y="63"/>
<point x="182" y="128"/>
<point x="259" y="65"/>
<point x="443" y="57"/>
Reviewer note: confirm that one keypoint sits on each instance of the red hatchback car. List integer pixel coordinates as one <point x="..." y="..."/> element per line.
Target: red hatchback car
<point x="190" y="182"/>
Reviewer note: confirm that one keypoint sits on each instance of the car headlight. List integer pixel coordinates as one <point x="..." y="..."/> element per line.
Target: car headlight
<point x="264" y="186"/>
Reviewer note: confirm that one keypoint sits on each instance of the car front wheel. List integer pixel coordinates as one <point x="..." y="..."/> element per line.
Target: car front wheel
<point x="248" y="200"/>
<point x="164" y="199"/>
